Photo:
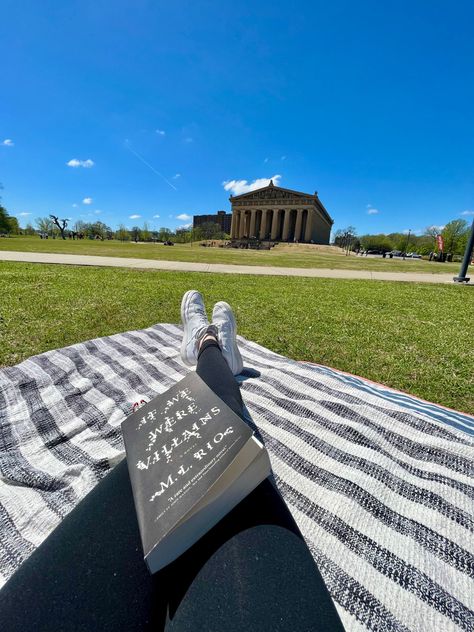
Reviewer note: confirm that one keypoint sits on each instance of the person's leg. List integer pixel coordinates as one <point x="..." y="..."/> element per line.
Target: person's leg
<point x="213" y="348"/>
<point x="251" y="571"/>
<point x="215" y="372"/>
<point x="89" y="573"/>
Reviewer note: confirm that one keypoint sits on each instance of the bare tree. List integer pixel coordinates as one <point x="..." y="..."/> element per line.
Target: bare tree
<point x="61" y="224"/>
<point x="433" y="232"/>
<point x="45" y="225"/>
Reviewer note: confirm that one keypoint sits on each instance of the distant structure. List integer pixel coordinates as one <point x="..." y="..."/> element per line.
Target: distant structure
<point x="222" y="218"/>
<point x="280" y="214"/>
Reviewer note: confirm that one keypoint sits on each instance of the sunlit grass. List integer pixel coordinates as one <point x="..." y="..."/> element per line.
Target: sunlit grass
<point x="414" y="337"/>
<point x="283" y="255"/>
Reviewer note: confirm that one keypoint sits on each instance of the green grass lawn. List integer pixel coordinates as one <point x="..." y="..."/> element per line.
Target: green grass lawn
<point x="414" y="337"/>
<point x="283" y="255"/>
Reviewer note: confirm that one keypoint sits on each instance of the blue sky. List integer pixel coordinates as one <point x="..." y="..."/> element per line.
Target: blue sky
<point x="156" y="105"/>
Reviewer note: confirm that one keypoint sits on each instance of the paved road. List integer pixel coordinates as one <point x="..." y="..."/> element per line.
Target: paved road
<point x="185" y="266"/>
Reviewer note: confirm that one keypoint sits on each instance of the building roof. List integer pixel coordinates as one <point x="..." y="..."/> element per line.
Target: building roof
<point x="272" y="187"/>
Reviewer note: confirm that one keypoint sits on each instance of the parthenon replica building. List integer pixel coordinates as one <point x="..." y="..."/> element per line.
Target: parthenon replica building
<point x="280" y="214"/>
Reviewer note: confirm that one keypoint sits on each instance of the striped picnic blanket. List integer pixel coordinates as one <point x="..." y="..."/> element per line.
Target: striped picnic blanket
<point x="379" y="482"/>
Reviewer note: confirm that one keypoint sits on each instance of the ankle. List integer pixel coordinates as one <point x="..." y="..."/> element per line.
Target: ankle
<point x="209" y="334"/>
<point x="205" y="338"/>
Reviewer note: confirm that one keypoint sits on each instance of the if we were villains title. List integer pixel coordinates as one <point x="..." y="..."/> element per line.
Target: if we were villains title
<point x="180" y="423"/>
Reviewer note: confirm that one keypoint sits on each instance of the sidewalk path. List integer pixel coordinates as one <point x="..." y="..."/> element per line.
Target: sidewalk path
<point x="187" y="266"/>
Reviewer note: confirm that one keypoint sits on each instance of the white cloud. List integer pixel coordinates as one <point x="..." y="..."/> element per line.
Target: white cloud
<point x="161" y="132"/>
<point x="373" y="211"/>
<point x="74" y="162"/>
<point x="23" y="214"/>
<point x="8" y="142"/>
<point x="183" y="217"/>
<point x="467" y="213"/>
<point x="87" y="200"/>
<point x="156" y="217"/>
<point x="176" y="176"/>
<point x="238" y="187"/>
<point x="134" y="216"/>
<point x="185" y="226"/>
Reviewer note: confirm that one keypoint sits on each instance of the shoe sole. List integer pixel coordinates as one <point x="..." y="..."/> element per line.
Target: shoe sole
<point x="184" y="305"/>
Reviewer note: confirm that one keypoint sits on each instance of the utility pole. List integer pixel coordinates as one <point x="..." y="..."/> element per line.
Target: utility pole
<point x="408" y="241"/>
<point x="462" y="278"/>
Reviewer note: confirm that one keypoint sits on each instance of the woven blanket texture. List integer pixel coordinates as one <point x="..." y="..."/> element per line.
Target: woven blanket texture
<point x="380" y="483"/>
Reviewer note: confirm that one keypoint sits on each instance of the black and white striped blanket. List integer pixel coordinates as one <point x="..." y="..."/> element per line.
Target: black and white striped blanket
<point x="380" y="483"/>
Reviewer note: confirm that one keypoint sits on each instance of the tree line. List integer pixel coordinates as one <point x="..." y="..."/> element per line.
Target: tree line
<point x="56" y="228"/>
<point x="8" y="225"/>
<point x="455" y="235"/>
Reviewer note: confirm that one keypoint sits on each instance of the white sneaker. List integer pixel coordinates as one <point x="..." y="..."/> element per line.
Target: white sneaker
<point x="195" y="323"/>
<point x="223" y="317"/>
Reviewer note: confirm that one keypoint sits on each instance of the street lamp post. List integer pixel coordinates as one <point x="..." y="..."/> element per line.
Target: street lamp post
<point x="408" y="241"/>
<point x="462" y="278"/>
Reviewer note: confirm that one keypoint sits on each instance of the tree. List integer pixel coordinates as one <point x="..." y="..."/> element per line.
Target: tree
<point x="4" y="223"/>
<point x="61" y="224"/>
<point x="424" y="245"/>
<point x="145" y="232"/>
<point x="29" y="230"/>
<point x="376" y="242"/>
<point x="45" y="225"/>
<point x="99" y="230"/>
<point x="122" y="233"/>
<point x="398" y="241"/>
<point x="345" y="237"/>
<point x="432" y="232"/>
<point x="164" y="234"/>
<point x="14" y="226"/>
<point x="183" y="235"/>
<point x="455" y="236"/>
<point x="8" y="224"/>
<point x="81" y="228"/>
<point x="136" y="233"/>
<point x="211" y="230"/>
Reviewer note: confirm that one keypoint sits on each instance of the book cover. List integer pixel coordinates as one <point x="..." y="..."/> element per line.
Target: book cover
<point x="178" y="446"/>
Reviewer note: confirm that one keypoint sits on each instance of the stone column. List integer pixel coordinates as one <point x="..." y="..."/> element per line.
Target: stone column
<point x="309" y="222"/>
<point x="242" y="224"/>
<point x="299" y="220"/>
<point x="234" y="225"/>
<point x="263" y="224"/>
<point x="286" y="225"/>
<point x="253" y="217"/>
<point x="274" y="224"/>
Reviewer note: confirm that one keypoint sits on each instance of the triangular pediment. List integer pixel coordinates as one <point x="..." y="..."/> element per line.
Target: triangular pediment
<point x="272" y="192"/>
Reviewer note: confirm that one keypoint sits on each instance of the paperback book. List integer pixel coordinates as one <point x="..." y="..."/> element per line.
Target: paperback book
<point x="191" y="459"/>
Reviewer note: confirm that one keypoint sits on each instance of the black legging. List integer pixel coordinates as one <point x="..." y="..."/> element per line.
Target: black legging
<point x="214" y="370"/>
<point x="252" y="571"/>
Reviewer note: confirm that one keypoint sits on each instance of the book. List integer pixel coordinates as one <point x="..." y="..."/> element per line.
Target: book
<point x="191" y="459"/>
